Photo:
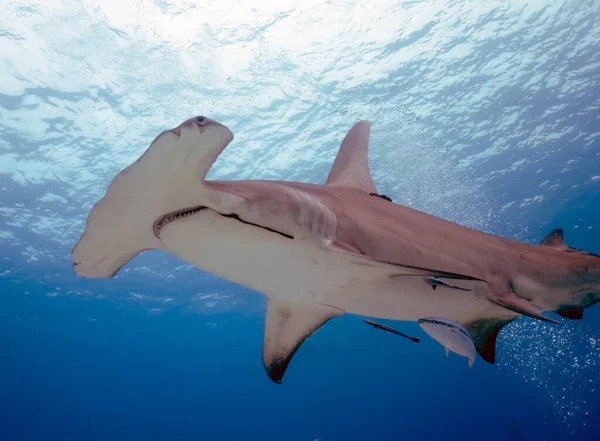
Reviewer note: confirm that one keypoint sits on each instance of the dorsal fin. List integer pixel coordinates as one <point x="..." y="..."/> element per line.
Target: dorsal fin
<point x="351" y="166"/>
<point x="287" y="325"/>
<point x="554" y="239"/>
<point x="484" y="333"/>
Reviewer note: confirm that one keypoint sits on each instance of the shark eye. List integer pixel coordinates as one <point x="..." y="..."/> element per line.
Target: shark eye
<point x="201" y="120"/>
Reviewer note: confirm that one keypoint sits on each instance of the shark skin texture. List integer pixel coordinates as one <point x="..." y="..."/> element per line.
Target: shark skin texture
<point x="319" y="251"/>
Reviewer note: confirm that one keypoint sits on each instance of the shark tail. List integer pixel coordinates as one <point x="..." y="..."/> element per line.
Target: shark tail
<point x="484" y="332"/>
<point x="575" y="312"/>
<point x="555" y="239"/>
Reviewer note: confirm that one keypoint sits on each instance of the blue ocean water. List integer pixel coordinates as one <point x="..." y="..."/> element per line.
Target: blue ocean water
<point x="483" y="113"/>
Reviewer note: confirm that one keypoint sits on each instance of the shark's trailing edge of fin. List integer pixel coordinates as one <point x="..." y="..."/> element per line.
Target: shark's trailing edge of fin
<point x="351" y="166"/>
<point x="287" y="325"/>
<point x="484" y="333"/>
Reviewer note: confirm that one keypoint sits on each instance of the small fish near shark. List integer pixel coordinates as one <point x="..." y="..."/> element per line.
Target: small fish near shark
<point x="392" y="330"/>
<point x="319" y="251"/>
<point x="449" y="333"/>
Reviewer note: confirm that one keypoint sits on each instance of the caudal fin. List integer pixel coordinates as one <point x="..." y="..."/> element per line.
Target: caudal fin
<point x="556" y="239"/>
<point x="587" y="270"/>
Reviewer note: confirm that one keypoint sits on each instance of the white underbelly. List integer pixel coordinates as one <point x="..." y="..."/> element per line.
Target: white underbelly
<point x="256" y="258"/>
<point x="300" y="271"/>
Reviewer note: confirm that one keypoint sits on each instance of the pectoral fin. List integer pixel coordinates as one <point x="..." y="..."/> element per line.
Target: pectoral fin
<point x="287" y="325"/>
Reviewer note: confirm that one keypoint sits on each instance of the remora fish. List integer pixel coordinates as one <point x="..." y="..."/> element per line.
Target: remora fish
<point x="318" y="251"/>
<point x="392" y="330"/>
<point x="451" y="335"/>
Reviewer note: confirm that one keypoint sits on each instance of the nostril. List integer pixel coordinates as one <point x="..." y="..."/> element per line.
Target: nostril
<point x="76" y="263"/>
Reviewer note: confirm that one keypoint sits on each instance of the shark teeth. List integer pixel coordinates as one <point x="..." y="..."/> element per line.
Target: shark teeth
<point x="174" y="215"/>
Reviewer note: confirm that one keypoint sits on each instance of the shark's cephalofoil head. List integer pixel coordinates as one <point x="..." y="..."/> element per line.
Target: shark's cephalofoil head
<point x="450" y="334"/>
<point x="165" y="181"/>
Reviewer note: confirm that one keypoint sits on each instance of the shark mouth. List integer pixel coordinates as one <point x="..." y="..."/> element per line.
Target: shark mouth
<point x="184" y="212"/>
<point x="172" y="216"/>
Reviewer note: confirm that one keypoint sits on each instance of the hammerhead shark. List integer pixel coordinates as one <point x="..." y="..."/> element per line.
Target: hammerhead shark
<point x="319" y="251"/>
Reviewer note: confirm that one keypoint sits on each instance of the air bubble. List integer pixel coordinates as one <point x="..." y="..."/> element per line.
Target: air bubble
<point x="563" y="363"/>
